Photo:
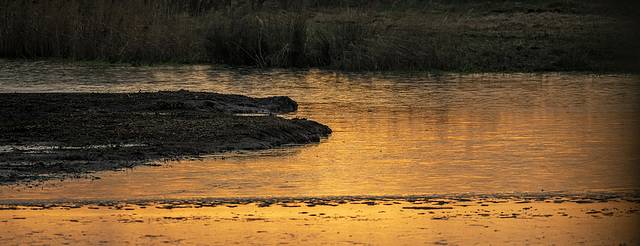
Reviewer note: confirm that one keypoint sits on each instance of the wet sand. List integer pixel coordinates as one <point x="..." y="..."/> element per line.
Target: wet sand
<point x="57" y="135"/>
<point x="497" y="220"/>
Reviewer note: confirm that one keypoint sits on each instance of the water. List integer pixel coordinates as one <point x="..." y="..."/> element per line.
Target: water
<point x="394" y="134"/>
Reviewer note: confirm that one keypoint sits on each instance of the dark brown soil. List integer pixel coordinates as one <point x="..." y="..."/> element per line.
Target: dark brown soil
<point x="53" y="135"/>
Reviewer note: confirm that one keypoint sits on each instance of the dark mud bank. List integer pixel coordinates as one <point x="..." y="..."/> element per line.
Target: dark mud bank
<point x="56" y="135"/>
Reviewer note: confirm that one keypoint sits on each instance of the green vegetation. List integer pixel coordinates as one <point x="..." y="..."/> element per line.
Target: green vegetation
<point x="530" y="35"/>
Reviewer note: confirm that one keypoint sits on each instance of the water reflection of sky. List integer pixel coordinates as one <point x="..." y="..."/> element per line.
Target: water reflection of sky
<point x="394" y="134"/>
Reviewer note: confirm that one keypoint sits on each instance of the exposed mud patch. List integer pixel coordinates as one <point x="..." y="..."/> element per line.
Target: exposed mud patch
<point x="452" y="220"/>
<point x="50" y="135"/>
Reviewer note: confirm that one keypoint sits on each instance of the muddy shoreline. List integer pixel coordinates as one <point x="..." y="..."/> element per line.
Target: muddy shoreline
<point x="57" y="135"/>
<point x="447" y="220"/>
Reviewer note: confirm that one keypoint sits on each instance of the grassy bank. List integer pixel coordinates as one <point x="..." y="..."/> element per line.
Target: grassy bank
<point x="541" y="35"/>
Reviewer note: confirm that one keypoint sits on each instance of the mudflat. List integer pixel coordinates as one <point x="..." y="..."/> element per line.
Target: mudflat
<point x="53" y="135"/>
<point x="447" y="220"/>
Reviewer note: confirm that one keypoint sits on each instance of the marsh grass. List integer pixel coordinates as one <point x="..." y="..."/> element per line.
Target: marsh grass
<point x="115" y="31"/>
<point x="535" y="35"/>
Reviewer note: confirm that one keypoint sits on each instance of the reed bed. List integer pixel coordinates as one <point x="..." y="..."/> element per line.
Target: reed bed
<point x="543" y="35"/>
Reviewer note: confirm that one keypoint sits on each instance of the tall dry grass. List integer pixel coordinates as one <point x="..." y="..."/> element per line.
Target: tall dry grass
<point x="137" y="30"/>
<point x="535" y="35"/>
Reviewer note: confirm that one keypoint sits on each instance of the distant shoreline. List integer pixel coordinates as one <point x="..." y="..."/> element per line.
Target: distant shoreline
<point x="57" y="135"/>
<point x="355" y="35"/>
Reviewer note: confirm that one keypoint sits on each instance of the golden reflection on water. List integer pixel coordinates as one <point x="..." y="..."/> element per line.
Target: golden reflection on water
<point x="540" y="220"/>
<point x="404" y="135"/>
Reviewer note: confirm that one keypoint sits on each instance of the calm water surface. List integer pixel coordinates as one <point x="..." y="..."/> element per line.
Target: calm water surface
<point x="394" y="134"/>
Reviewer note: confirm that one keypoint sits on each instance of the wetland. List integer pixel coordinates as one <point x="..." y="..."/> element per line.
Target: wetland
<point x="309" y="122"/>
<point x="392" y="133"/>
